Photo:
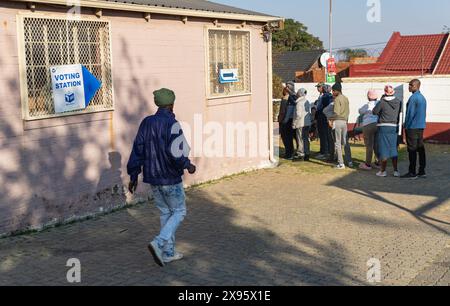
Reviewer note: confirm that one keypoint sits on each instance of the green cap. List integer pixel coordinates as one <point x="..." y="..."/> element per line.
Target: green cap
<point x="320" y="85"/>
<point x="164" y="97"/>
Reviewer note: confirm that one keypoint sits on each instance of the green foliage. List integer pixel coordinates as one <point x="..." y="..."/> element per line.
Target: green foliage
<point x="277" y="86"/>
<point x="352" y="53"/>
<point x="295" y="37"/>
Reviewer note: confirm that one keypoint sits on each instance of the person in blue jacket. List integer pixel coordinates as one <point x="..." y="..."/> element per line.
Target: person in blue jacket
<point x="415" y="124"/>
<point x="161" y="151"/>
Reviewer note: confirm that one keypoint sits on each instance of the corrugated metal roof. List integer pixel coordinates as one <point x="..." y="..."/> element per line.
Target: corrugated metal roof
<point x="199" y="5"/>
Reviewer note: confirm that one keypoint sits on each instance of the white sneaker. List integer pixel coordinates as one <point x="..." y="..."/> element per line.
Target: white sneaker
<point x="176" y="256"/>
<point x="396" y="174"/>
<point x="340" y="167"/>
<point x="382" y="174"/>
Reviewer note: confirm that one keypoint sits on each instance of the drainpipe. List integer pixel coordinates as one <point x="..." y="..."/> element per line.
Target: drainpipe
<point x="270" y="98"/>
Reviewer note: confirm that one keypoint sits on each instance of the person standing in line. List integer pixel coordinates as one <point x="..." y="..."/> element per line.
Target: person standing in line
<point x="340" y="122"/>
<point x="327" y="100"/>
<point x="388" y="112"/>
<point x="322" y="125"/>
<point x="329" y="112"/>
<point x="284" y="128"/>
<point x="415" y="124"/>
<point x="370" y="128"/>
<point x="287" y="112"/>
<point x="301" y="124"/>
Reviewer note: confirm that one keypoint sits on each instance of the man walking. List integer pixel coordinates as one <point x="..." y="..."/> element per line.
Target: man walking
<point x="415" y="123"/>
<point x="161" y="150"/>
<point x="340" y="120"/>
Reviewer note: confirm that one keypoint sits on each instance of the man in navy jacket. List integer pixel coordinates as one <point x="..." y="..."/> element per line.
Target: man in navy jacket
<point x="161" y="150"/>
<point x="415" y="123"/>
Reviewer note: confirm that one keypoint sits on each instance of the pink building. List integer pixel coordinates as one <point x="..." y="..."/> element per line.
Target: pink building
<point x="55" y="167"/>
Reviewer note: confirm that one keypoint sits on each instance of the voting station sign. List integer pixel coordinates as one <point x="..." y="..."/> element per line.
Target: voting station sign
<point x="73" y="87"/>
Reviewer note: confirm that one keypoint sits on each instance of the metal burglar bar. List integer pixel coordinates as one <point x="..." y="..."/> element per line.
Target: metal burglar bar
<point x="229" y="50"/>
<point x="52" y="42"/>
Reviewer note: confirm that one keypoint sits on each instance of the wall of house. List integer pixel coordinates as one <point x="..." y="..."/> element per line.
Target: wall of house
<point x="64" y="168"/>
<point x="434" y="89"/>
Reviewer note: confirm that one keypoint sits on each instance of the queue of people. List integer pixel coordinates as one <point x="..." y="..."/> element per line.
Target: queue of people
<point x="328" y="118"/>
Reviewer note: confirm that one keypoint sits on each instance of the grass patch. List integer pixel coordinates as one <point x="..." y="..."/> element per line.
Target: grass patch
<point x="320" y="167"/>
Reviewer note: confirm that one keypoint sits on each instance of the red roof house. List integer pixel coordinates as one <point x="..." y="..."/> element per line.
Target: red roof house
<point x="409" y="56"/>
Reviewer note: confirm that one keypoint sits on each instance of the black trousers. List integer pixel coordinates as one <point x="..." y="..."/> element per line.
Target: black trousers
<point x="414" y="140"/>
<point x="287" y="136"/>
<point x="322" y="127"/>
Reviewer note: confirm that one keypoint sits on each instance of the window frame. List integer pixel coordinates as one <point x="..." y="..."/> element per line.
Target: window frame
<point x="209" y="95"/>
<point x="20" y="19"/>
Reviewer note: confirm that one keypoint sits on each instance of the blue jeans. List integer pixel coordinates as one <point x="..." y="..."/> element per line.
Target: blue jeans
<point x="171" y="202"/>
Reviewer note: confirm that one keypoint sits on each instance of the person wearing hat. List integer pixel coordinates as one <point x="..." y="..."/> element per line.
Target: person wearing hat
<point x="285" y="119"/>
<point x="340" y="121"/>
<point x="323" y="129"/>
<point x="388" y="112"/>
<point x="161" y="152"/>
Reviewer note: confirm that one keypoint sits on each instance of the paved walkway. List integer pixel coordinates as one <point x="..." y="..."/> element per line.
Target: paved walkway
<point x="283" y="226"/>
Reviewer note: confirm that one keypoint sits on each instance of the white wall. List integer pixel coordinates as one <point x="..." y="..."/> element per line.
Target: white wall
<point x="436" y="91"/>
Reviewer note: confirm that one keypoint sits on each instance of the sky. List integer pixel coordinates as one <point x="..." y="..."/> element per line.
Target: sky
<point x="351" y="26"/>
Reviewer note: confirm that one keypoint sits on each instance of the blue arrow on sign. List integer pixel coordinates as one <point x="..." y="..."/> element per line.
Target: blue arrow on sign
<point x="91" y="85"/>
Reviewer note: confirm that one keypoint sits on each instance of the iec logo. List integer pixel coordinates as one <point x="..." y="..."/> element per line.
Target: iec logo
<point x="70" y="98"/>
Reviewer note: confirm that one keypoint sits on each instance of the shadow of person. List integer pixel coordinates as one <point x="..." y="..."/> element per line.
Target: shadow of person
<point x="110" y="185"/>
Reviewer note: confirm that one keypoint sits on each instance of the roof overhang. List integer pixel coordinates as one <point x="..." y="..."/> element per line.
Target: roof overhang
<point x="160" y="10"/>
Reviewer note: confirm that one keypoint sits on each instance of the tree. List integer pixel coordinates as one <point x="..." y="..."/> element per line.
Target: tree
<point x="446" y="29"/>
<point x="295" y="37"/>
<point x="348" y="54"/>
<point x="277" y="85"/>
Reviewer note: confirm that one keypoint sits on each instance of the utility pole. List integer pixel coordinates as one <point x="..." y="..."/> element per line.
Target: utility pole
<point x="331" y="28"/>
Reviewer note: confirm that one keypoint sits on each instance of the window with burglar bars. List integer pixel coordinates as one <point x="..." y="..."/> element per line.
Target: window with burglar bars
<point x="51" y="42"/>
<point x="229" y="50"/>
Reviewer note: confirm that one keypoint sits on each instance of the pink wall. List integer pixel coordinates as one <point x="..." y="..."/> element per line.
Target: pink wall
<point x="64" y="167"/>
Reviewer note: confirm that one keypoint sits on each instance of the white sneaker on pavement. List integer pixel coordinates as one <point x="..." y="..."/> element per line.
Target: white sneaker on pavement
<point x="176" y="256"/>
<point x="396" y="174"/>
<point x="382" y="174"/>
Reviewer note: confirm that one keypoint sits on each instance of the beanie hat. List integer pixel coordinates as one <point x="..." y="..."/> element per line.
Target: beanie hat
<point x="164" y="97"/>
<point x="337" y="87"/>
<point x="372" y="95"/>
<point x="301" y="92"/>
<point x="291" y="87"/>
<point x="389" y="90"/>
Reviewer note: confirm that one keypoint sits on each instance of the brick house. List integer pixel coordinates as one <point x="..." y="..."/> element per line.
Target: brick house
<point x="410" y="55"/>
